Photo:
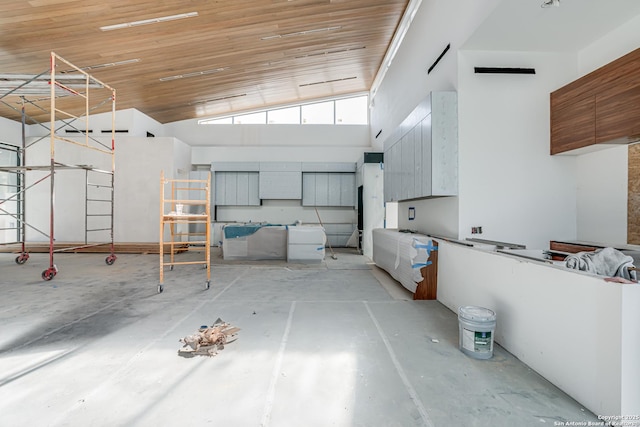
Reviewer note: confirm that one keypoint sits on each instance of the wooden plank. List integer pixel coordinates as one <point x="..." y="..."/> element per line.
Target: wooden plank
<point x="122" y="248"/>
<point x="571" y="247"/>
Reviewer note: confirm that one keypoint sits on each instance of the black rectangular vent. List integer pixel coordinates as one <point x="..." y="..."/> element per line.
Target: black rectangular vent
<point x="373" y="157"/>
<point x="77" y="131"/>
<point x="115" y="131"/>
<point x="446" y="49"/>
<point x="503" y="70"/>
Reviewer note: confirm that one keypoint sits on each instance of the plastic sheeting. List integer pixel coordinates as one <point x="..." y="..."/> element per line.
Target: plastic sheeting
<point x="267" y="242"/>
<point x="306" y="244"/>
<point x="402" y="255"/>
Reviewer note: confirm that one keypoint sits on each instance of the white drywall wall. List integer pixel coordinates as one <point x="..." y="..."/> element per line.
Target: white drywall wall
<point x="391" y="215"/>
<point x="602" y="175"/>
<point x="437" y="216"/>
<point x="137" y="188"/>
<point x="142" y="124"/>
<point x="585" y="349"/>
<point x="373" y="204"/>
<point x="137" y="191"/>
<point x="206" y="155"/>
<point x="602" y="195"/>
<point x="617" y="43"/>
<point x="406" y="83"/>
<point x="509" y="184"/>
<point x="97" y="123"/>
<point x="131" y="120"/>
<point x="10" y="132"/>
<point x="285" y="212"/>
<point x="269" y="135"/>
<point x="69" y="190"/>
<point x="630" y="350"/>
<point x="181" y="160"/>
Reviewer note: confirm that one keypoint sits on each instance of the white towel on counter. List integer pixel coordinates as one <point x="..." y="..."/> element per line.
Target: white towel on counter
<point x="608" y="262"/>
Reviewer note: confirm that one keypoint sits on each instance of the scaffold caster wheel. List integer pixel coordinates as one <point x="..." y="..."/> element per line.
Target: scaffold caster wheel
<point x="110" y="259"/>
<point x="49" y="273"/>
<point x="22" y="258"/>
<point x="207" y="285"/>
<point x="160" y="289"/>
<point x="171" y="268"/>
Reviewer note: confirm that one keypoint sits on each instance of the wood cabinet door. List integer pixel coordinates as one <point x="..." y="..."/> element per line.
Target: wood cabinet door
<point x="573" y="126"/>
<point x="617" y="115"/>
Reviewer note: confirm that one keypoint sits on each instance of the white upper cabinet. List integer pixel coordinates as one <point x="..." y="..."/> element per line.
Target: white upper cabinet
<point x="421" y="156"/>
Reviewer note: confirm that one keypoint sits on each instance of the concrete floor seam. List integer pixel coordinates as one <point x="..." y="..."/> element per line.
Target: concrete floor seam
<point x="317" y="348"/>
<point x="124" y="366"/>
<point x="403" y="376"/>
<point x="266" y="416"/>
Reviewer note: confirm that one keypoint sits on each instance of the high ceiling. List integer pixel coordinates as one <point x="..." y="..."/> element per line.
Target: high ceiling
<point x="224" y="56"/>
<point x="524" y="25"/>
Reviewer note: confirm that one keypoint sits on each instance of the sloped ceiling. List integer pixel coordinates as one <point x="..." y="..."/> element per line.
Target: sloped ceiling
<point x="224" y="57"/>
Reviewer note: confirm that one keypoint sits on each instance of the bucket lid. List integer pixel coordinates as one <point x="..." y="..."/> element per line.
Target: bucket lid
<point x="476" y="313"/>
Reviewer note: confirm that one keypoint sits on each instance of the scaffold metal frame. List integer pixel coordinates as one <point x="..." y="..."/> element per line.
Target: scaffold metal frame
<point x="68" y="95"/>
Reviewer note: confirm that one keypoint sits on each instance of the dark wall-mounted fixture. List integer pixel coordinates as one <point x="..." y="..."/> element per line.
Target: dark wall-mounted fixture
<point x="503" y="70"/>
<point x="446" y="49"/>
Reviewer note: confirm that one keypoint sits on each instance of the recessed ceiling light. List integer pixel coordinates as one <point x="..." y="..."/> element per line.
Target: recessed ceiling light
<point x="300" y="33"/>
<point x="194" y="74"/>
<point x="148" y="21"/>
<point x="330" y="52"/>
<point x="105" y="65"/>
<point x="222" y="98"/>
<point x="327" y="81"/>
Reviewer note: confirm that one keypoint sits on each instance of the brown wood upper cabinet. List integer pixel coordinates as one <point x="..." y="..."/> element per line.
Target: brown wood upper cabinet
<point x="618" y="116"/>
<point x="574" y="125"/>
<point x="603" y="107"/>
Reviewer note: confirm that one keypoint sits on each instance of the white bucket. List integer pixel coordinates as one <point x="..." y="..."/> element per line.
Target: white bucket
<point x="476" y="327"/>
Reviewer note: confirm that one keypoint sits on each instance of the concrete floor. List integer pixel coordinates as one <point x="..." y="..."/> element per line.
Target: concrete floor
<point x="335" y="344"/>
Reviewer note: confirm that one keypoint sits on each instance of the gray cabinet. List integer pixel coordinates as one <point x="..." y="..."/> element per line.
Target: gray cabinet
<point x="421" y="156"/>
<point x="317" y="183"/>
<point x="236" y="189"/>
<point x="328" y="189"/>
<point x="281" y="180"/>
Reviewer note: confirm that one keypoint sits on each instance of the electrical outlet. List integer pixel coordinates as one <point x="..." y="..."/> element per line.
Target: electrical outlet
<point x="476" y="230"/>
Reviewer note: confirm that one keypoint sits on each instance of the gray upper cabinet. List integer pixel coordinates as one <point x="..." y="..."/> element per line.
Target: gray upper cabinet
<point x="236" y="189"/>
<point x="328" y="189"/>
<point x="316" y="183"/>
<point x="281" y="180"/>
<point x="421" y="156"/>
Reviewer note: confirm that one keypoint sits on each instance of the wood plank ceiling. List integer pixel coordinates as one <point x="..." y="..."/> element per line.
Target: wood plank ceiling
<point x="232" y="56"/>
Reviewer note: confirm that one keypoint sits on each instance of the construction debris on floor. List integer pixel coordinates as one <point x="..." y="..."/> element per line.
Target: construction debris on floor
<point x="208" y="340"/>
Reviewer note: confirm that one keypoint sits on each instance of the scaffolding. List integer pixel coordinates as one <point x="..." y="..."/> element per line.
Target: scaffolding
<point x="47" y="104"/>
<point x="188" y="202"/>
